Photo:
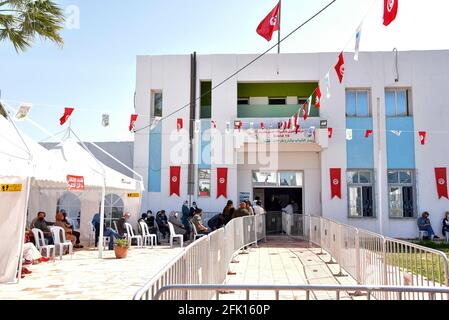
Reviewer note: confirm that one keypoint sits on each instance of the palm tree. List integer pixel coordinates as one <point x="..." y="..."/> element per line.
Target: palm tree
<point x="22" y="20"/>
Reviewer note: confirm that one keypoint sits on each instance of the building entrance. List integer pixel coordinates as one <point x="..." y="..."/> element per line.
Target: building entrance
<point x="274" y="200"/>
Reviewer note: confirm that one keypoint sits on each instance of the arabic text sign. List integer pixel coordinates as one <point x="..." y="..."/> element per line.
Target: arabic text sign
<point x="76" y="183"/>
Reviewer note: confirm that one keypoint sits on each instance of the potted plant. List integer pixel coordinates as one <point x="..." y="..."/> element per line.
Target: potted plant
<point x="121" y="248"/>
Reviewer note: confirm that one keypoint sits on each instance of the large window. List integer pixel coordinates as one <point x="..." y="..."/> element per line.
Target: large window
<point x="401" y="195"/>
<point x="157" y="104"/>
<point x="113" y="209"/>
<point x="277" y="179"/>
<point x="397" y="103"/>
<point x="277" y="101"/>
<point x="357" y="103"/>
<point x="204" y="182"/>
<point x="71" y="204"/>
<point x="360" y="193"/>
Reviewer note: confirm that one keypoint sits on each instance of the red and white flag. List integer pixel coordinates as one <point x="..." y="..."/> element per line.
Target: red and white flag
<point x="222" y="182"/>
<point x="175" y="177"/>
<point x="422" y="137"/>
<point x="179" y="124"/>
<point x="340" y="67"/>
<point x="67" y="113"/>
<point x="305" y="115"/>
<point x="441" y="180"/>
<point x="330" y="132"/>
<point x="132" y="121"/>
<point x="262" y="125"/>
<point x="335" y="177"/>
<point x="318" y="97"/>
<point x="368" y="133"/>
<point x="390" y="11"/>
<point x="270" y="24"/>
<point x="289" y="124"/>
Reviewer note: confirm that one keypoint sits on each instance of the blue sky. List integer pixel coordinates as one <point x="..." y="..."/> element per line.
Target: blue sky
<point x="95" y="70"/>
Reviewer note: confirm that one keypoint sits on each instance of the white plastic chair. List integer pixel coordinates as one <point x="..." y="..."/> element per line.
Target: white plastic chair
<point x="173" y="235"/>
<point x="148" y="238"/>
<point x="422" y="234"/>
<point x="196" y="235"/>
<point x="60" y="241"/>
<point x="115" y="226"/>
<point x="41" y="245"/>
<point x="91" y="232"/>
<point x="130" y="235"/>
<point x="447" y="236"/>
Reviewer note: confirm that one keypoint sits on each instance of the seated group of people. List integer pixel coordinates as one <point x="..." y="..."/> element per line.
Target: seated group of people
<point x="60" y="221"/>
<point x="424" y="224"/>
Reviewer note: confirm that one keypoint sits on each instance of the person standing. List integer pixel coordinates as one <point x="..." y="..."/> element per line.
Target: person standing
<point x="242" y="211"/>
<point x="258" y="209"/>
<point x="228" y="211"/>
<point x="249" y="207"/>
<point x="185" y="211"/>
<point x="289" y="208"/>
<point x="446" y="223"/>
<point x="121" y="224"/>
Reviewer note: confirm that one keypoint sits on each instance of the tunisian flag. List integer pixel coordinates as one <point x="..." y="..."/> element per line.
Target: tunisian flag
<point x="340" y="67"/>
<point x="179" y="124"/>
<point x="270" y="24"/>
<point x="67" y="113"/>
<point x="132" y="121"/>
<point x="335" y="182"/>
<point x="422" y="137"/>
<point x="441" y="180"/>
<point x="318" y="97"/>
<point x="390" y="11"/>
<point x="222" y="182"/>
<point x="175" y="179"/>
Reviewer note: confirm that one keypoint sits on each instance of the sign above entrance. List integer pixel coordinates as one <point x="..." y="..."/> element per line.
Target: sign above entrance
<point x="76" y="183"/>
<point x="133" y="195"/>
<point x="264" y="136"/>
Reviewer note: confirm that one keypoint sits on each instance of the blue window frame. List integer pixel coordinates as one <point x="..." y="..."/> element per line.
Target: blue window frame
<point x="357" y="103"/>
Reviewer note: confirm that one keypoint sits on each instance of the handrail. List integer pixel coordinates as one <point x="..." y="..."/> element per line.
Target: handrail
<point x="277" y="288"/>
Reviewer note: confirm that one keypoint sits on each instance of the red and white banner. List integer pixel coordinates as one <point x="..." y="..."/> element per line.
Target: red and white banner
<point x="368" y="133"/>
<point x="441" y="180"/>
<point x="340" y="67"/>
<point x="67" y="113"/>
<point x="390" y="11"/>
<point x="75" y="183"/>
<point x="422" y="137"/>
<point x="132" y="121"/>
<point x="318" y="97"/>
<point x="335" y="175"/>
<point x="179" y="124"/>
<point x="175" y="181"/>
<point x="222" y="182"/>
<point x="330" y="132"/>
<point x="270" y="23"/>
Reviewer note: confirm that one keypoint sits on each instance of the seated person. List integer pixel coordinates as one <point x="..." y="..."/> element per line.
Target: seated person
<point x="30" y="253"/>
<point x="446" y="223"/>
<point x="75" y="233"/>
<point x="179" y="227"/>
<point x="107" y="232"/>
<point x="425" y="225"/>
<point x="41" y="224"/>
<point x="121" y="228"/>
<point x="162" y="222"/>
<point x="197" y="221"/>
<point x="152" y="227"/>
<point x="216" y="222"/>
<point x="68" y="232"/>
<point x="143" y="218"/>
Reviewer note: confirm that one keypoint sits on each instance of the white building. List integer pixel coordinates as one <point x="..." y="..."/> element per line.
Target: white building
<point x="385" y="183"/>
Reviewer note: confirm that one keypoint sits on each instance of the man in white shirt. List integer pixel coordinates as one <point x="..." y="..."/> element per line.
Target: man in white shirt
<point x="289" y="208"/>
<point x="258" y="208"/>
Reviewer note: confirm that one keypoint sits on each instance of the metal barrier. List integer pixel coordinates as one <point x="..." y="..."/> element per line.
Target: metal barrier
<point x="398" y="292"/>
<point x="205" y="261"/>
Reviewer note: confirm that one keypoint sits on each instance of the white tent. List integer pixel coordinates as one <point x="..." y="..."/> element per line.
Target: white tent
<point x="32" y="179"/>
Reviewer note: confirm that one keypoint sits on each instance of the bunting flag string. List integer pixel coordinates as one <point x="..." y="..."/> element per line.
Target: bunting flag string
<point x="132" y="121"/>
<point x="67" y="113"/>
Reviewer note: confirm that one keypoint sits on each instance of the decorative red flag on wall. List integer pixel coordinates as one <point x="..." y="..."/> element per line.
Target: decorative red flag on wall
<point x="335" y="182"/>
<point x="67" y="113"/>
<point x="368" y="133"/>
<point x="318" y="98"/>
<point x="76" y="183"/>
<point x="270" y="24"/>
<point x="262" y="125"/>
<point x="330" y="131"/>
<point x="132" y="121"/>
<point x="390" y="11"/>
<point x="441" y="180"/>
<point x="179" y="124"/>
<point x="422" y="137"/>
<point x="175" y="181"/>
<point x="222" y="182"/>
<point x="340" y="67"/>
<point x="305" y="115"/>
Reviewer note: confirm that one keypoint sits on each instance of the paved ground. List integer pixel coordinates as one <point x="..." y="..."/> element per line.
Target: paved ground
<point x="280" y="261"/>
<point x="85" y="277"/>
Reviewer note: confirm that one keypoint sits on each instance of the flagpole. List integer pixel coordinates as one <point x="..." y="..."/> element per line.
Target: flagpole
<point x="279" y="31"/>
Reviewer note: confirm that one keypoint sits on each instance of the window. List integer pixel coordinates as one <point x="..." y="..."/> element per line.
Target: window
<point x="113" y="209"/>
<point x="357" y="103"/>
<point x="302" y="101"/>
<point x="204" y="182"/>
<point x="277" y="101"/>
<point x="397" y="103"/>
<point x="70" y="203"/>
<point x="243" y="101"/>
<point x="360" y="193"/>
<point x="401" y="195"/>
<point x="157" y="104"/>
<point x="282" y="179"/>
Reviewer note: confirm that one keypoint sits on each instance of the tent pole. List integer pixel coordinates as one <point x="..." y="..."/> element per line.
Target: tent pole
<point x="100" y="236"/>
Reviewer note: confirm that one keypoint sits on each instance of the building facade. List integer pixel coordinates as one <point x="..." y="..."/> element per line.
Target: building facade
<point x="387" y="177"/>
